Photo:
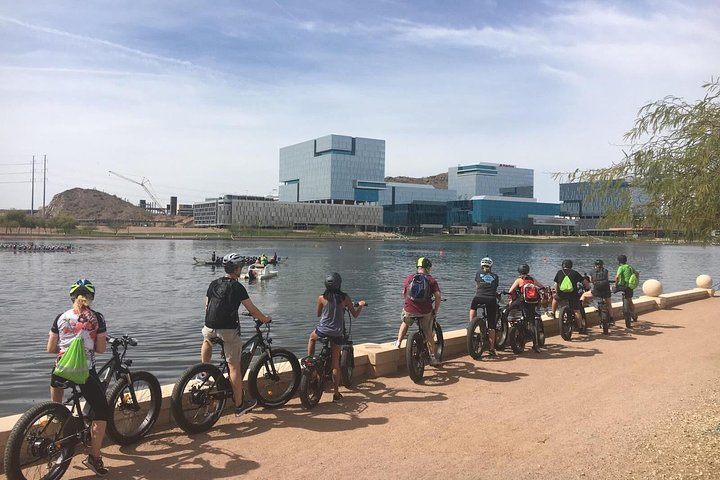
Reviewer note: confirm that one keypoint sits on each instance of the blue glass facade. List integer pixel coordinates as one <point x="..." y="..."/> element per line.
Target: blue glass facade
<point x="491" y="179"/>
<point x="332" y="169"/>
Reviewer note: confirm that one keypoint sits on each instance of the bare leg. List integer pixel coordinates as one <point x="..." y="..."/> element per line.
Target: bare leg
<point x="311" y="343"/>
<point x="56" y="394"/>
<point x="206" y="352"/>
<point x="403" y="330"/>
<point x="237" y="382"/>
<point x="97" y="433"/>
<point x="336" y="367"/>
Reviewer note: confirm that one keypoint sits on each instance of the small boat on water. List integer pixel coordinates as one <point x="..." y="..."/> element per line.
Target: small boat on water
<point x="258" y="272"/>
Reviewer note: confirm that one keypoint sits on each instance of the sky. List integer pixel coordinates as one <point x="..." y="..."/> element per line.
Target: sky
<point x="198" y="97"/>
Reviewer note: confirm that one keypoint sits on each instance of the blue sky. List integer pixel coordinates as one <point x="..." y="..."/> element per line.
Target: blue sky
<point x="198" y="97"/>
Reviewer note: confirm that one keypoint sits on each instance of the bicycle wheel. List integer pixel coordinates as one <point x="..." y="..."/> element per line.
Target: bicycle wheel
<point x="476" y="334"/>
<point x="626" y="313"/>
<point x="347" y="364"/>
<point x="130" y="420"/>
<point x="199" y="397"/>
<point x="501" y="336"/>
<point x="535" y="331"/>
<point x="273" y="380"/>
<point x="439" y="341"/>
<point x="541" y="333"/>
<point x="41" y="444"/>
<point x="605" y="322"/>
<point x="567" y="319"/>
<point x="311" y="387"/>
<point x="415" y="352"/>
<point x="517" y="340"/>
<point x="583" y="321"/>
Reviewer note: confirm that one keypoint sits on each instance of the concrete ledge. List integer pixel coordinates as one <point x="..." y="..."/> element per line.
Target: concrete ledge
<point x="376" y="360"/>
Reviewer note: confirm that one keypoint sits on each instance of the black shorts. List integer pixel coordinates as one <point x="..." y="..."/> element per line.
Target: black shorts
<point x="93" y="392"/>
<point x="491" y="308"/>
<point x="334" y="339"/>
<point x="572" y="298"/>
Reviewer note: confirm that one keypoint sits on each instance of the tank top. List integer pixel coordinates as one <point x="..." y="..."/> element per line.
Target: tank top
<point x="331" y="317"/>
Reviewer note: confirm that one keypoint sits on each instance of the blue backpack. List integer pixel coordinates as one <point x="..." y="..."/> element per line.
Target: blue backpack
<point x="419" y="290"/>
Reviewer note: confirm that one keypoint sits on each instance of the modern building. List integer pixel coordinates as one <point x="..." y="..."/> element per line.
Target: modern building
<point x="506" y="214"/>
<point x="396" y="193"/>
<point x="262" y="212"/>
<point x="494" y="179"/>
<point x="589" y="206"/>
<point x="333" y="169"/>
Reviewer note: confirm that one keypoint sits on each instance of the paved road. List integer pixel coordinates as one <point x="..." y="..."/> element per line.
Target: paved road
<point x="577" y="410"/>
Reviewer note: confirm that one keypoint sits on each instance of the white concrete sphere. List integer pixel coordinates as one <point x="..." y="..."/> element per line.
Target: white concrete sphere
<point x="704" y="281"/>
<point x="652" y="288"/>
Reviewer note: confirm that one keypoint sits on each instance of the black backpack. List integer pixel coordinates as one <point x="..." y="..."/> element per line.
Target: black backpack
<point x="419" y="289"/>
<point x="219" y="309"/>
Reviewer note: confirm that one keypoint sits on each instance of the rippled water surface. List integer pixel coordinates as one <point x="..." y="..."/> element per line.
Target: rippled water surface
<point x="152" y="290"/>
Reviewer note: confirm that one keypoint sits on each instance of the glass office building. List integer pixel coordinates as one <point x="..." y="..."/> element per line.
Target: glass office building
<point x="333" y="169"/>
<point x="495" y="179"/>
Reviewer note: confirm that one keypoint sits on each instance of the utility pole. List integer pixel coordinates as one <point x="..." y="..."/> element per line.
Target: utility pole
<point x="44" y="182"/>
<point x="32" y="189"/>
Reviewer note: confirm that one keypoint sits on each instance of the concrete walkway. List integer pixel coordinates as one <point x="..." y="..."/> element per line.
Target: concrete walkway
<point x="578" y="409"/>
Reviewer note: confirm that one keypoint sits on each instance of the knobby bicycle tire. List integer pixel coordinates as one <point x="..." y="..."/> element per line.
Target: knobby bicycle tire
<point x="131" y="420"/>
<point x="35" y="443"/>
<point x="567" y="321"/>
<point x="415" y="351"/>
<point x="517" y="340"/>
<point x="501" y="337"/>
<point x="312" y="385"/>
<point x="439" y="341"/>
<point x="273" y="380"/>
<point x="196" y="404"/>
<point x="347" y="365"/>
<point x="626" y="312"/>
<point x="475" y="338"/>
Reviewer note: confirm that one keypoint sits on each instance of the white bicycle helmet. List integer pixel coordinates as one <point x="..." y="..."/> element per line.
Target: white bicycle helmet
<point x="487" y="261"/>
<point x="232" y="258"/>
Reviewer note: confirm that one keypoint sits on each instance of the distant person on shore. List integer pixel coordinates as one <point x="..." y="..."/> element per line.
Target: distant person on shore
<point x="88" y="324"/>
<point x="331" y="306"/>
<point x="421" y="298"/>
<point x="623" y="282"/>
<point x="222" y="301"/>
<point x="213" y="258"/>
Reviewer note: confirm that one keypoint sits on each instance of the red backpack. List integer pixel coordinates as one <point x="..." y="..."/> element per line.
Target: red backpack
<point x="529" y="291"/>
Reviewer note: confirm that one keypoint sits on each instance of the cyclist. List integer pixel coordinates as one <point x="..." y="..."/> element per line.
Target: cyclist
<point x="83" y="321"/>
<point x="600" y="280"/>
<point x="331" y="307"/>
<point x="486" y="286"/>
<point x="515" y="290"/>
<point x="567" y="282"/>
<point x="622" y="277"/>
<point x="222" y="301"/>
<point x="426" y="308"/>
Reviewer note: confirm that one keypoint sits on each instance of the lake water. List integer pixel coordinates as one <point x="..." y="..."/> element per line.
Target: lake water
<point x="152" y="290"/>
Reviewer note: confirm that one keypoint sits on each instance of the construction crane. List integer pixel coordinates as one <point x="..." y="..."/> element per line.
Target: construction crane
<point x="145" y="184"/>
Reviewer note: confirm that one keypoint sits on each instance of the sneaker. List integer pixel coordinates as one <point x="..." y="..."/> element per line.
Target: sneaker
<point x="434" y="361"/>
<point x="246" y="407"/>
<point x="337" y="397"/>
<point x="396" y="343"/>
<point x="493" y="353"/>
<point x="634" y="317"/>
<point x="95" y="464"/>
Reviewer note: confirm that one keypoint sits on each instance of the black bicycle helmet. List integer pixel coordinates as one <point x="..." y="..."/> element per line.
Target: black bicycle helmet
<point x="524" y="269"/>
<point x="567" y="264"/>
<point x="82" y="286"/>
<point x="333" y="281"/>
<point x="622" y="259"/>
<point x="599" y="263"/>
<point x="424" y="262"/>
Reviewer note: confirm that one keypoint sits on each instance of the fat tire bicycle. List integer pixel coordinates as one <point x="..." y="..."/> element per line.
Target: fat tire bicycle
<point x="478" y="330"/>
<point x="526" y="325"/>
<point x="416" y="350"/>
<point x="317" y="369"/>
<point x="567" y="320"/>
<point x="42" y="443"/>
<point x="200" y="394"/>
<point x="135" y="398"/>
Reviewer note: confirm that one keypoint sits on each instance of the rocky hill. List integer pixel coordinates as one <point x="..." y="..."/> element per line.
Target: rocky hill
<point x="84" y="203"/>
<point x="437" y="181"/>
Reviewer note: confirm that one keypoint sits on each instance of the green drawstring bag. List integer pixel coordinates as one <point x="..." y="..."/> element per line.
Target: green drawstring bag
<point x="73" y="364"/>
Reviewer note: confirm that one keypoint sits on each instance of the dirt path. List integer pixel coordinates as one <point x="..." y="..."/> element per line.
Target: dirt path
<point x="632" y="405"/>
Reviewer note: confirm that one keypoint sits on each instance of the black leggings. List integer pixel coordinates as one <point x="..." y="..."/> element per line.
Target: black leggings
<point x="93" y="392"/>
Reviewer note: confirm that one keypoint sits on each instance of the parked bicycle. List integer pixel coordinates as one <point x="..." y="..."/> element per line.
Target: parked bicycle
<point x="317" y="369"/>
<point x="478" y="331"/>
<point x="200" y="394"/>
<point x="42" y="443"/>
<point x="416" y="350"/>
<point x="134" y="398"/>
